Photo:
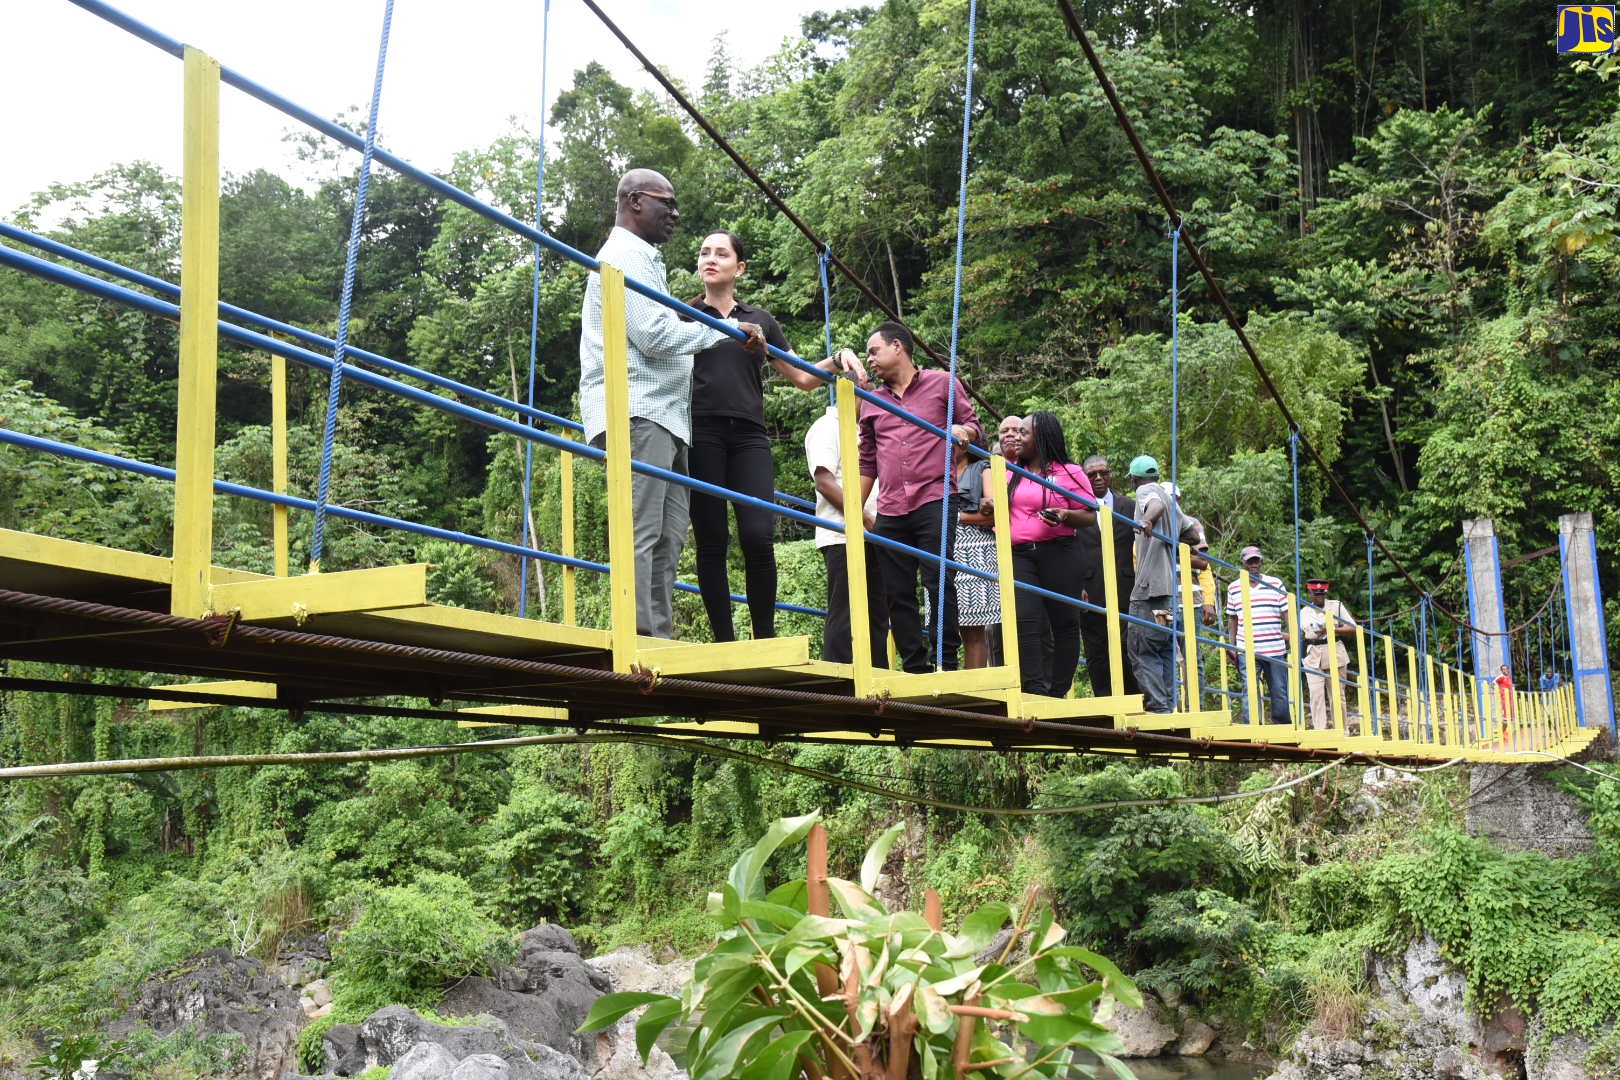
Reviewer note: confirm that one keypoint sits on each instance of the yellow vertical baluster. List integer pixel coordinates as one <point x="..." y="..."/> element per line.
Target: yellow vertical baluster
<point x="1252" y="693"/>
<point x="278" y="460"/>
<point x="1006" y="586"/>
<point x="199" y="339"/>
<point x="1414" y="703"/>
<point x="621" y="526"/>
<point x="1394" y="687"/>
<point x="1334" y="688"/>
<point x="1113" y="602"/>
<point x="1189" y="625"/>
<point x="570" y="583"/>
<point x="1296" y="696"/>
<point x="1364" y="692"/>
<point x="860" y="625"/>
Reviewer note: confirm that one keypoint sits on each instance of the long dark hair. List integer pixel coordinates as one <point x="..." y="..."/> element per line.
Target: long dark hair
<point x="1050" y="446"/>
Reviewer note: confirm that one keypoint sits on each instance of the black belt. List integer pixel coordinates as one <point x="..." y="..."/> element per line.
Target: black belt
<point x="1030" y="545"/>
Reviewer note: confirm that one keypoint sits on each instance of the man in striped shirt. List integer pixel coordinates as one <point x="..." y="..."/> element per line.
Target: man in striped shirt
<point x="1268" y="602"/>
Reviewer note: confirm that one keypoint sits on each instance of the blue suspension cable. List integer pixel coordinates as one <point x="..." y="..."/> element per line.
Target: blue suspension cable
<point x="947" y="503"/>
<point x="1293" y="457"/>
<point x="826" y="316"/>
<point x="323" y="487"/>
<point x="1175" y="445"/>
<point x="534" y="311"/>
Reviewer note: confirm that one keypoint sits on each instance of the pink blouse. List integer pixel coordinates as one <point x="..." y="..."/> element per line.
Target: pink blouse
<point x="1029" y="498"/>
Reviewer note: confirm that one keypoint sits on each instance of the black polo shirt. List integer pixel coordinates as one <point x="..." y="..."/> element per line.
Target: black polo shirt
<point x="727" y="379"/>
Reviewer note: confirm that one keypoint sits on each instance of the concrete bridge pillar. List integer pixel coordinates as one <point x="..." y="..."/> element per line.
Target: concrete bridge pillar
<point x="1583" y="599"/>
<point x="1483" y="559"/>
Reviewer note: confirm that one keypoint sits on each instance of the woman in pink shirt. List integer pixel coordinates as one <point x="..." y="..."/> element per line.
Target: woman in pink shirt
<point x="1044" y="554"/>
<point x="1504" y="690"/>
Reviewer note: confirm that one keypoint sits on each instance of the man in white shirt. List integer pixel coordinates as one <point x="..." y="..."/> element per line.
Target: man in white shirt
<point x="661" y="347"/>
<point x="821" y="453"/>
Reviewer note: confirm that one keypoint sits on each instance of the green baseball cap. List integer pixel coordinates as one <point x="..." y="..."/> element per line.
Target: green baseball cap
<point x="1144" y="467"/>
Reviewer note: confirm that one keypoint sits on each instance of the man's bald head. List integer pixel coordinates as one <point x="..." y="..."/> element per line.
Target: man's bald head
<point x="646" y="205"/>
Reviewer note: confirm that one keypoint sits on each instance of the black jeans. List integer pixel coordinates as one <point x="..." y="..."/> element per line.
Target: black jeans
<point x="735" y="454"/>
<point x="836" y="638"/>
<point x="920" y="529"/>
<point x="1053" y="565"/>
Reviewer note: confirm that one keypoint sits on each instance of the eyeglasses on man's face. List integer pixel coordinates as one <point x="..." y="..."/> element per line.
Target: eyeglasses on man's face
<point x="1099" y="474"/>
<point x="667" y="200"/>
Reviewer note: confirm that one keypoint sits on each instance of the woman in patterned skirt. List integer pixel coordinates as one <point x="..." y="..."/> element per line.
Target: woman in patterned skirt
<point x="978" y="600"/>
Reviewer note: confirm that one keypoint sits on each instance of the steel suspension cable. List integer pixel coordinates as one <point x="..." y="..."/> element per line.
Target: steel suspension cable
<point x="769" y="192"/>
<point x="1219" y="294"/>
<point x="947" y="505"/>
<point x="527" y="524"/>
<point x="323" y="487"/>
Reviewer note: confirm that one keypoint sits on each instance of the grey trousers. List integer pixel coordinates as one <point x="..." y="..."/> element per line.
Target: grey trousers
<point x="1152" y="653"/>
<point x="659" y="510"/>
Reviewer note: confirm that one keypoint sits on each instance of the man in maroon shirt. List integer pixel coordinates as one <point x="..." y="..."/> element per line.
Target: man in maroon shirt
<point x="910" y="463"/>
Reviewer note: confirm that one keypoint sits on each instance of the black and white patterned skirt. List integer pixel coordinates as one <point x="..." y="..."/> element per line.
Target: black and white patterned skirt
<point x="978" y="600"/>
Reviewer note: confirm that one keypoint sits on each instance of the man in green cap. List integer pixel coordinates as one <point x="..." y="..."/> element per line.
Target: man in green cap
<point x="1150" y="644"/>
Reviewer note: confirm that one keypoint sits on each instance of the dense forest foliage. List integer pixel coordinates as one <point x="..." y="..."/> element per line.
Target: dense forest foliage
<point x="1413" y="207"/>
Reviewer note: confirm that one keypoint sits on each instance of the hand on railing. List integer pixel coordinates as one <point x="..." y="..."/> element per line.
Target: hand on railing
<point x="850" y="363"/>
<point x="756" y="337"/>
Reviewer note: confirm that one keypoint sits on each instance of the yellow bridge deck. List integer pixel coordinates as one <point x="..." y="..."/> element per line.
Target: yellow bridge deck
<point x="296" y="641"/>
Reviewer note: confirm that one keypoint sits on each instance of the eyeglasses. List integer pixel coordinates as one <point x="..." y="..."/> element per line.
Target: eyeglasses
<point x="674" y="206"/>
<point x="1100" y="474"/>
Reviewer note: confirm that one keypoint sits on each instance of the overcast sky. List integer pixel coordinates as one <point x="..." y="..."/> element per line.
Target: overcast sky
<point x="78" y="94"/>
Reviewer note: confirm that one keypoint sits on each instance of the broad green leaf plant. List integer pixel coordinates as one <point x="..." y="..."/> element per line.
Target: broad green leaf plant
<point x="874" y="995"/>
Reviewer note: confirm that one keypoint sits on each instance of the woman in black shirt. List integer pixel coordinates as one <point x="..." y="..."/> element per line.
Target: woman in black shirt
<point x="730" y="448"/>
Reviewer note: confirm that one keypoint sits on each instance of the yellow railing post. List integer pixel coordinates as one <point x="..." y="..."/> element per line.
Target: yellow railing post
<point x="1006" y="586"/>
<point x="1220" y="653"/>
<point x="1394" y="687"/>
<point x="278" y="465"/>
<point x="1296" y="676"/>
<point x="1364" y="691"/>
<point x="1453" y="723"/>
<point x="621" y="524"/>
<point x="1111" y="601"/>
<point x="1431" y="697"/>
<point x="1414" y="703"/>
<point x="1333" y="687"/>
<point x="570" y="581"/>
<point x="1251" y="688"/>
<point x="849" y="453"/>
<point x="199" y="340"/>
<point x="1189" y="626"/>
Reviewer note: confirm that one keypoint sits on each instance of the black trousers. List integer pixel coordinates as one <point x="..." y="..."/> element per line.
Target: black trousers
<point x="1094" y="631"/>
<point x="1053" y="565"/>
<point x="836" y="637"/>
<point x="735" y="454"/>
<point x="920" y="529"/>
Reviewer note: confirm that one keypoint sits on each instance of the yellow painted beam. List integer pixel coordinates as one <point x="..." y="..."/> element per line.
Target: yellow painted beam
<point x="32" y="549"/>
<point x="231" y="687"/>
<point x="199" y="338"/>
<point x="943" y="683"/>
<point x="324" y="594"/>
<point x="506" y="715"/>
<point x="1037" y="707"/>
<point x="720" y="657"/>
<point x="621" y="525"/>
<point x="1190" y="697"/>
<point x="516" y="632"/>
<point x="1246" y="627"/>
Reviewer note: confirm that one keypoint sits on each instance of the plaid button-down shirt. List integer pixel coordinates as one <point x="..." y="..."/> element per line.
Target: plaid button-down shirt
<point x="661" y="344"/>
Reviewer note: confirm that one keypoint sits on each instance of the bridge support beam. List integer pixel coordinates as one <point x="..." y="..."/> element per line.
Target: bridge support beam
<point x="1583" y="599"/>
<point x="1486" y="611"/>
